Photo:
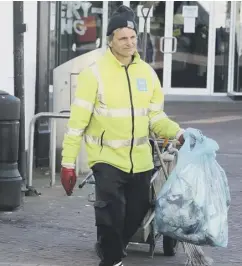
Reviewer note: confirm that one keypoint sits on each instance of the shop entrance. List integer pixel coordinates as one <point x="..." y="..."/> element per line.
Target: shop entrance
<point x="187" y="44"/>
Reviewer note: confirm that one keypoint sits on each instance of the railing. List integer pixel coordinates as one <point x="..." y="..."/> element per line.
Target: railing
<point x="30" y="155"/>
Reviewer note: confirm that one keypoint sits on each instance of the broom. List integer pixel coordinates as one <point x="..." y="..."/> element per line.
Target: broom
<point x="194" y="253"/>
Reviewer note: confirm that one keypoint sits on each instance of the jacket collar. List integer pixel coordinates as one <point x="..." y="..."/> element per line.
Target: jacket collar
<point x="113" y="59"/>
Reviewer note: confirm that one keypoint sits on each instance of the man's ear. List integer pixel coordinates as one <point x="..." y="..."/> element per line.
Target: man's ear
<point x="110" y="40"/>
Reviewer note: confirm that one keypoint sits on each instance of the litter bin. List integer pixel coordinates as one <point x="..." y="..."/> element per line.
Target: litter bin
<point x="10" y="179"/>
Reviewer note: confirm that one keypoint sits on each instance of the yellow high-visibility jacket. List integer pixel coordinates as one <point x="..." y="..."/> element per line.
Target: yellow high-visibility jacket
<point x="115" y="108"/>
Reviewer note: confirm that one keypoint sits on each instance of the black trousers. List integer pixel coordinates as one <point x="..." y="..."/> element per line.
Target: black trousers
<point x="122" y="201"/>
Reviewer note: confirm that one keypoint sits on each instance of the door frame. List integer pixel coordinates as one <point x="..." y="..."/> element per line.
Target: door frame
<point x="233" y="18"/>
<point x="167" y="71"/>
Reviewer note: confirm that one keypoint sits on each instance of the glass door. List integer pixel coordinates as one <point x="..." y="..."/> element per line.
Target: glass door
<point x="187" y="45"/>
<point x="180" y="45"/>
<point x="155" y="32"/>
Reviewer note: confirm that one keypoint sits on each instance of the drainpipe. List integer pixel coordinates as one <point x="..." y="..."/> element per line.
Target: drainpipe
<point x="18" y="46"/>
<point x="42" y="135"/>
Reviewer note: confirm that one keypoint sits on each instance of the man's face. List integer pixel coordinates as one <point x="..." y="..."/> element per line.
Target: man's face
<point x="124" y="42"/>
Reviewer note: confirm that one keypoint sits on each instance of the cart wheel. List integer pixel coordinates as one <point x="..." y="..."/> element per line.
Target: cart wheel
<point x="169" y="246"/>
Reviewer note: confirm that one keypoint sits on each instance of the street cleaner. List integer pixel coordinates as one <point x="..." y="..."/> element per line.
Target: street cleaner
<point x="117" y="103"/>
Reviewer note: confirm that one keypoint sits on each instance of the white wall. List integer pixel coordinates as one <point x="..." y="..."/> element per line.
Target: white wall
<point x="7" y="56"/>
<point x="30" y="39"/>
<point x="6" y="47"/>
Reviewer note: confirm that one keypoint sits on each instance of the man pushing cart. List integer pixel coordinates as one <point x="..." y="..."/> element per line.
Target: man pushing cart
<point x="118" y="102"/>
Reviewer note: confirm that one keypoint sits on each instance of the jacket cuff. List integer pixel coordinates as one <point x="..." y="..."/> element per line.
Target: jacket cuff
<point x="179" y="133"/>
<point x="68" y="165"/>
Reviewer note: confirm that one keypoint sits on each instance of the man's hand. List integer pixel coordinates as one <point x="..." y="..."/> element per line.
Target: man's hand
<point x="181" y="139"/>
<point x="68" y="179"/>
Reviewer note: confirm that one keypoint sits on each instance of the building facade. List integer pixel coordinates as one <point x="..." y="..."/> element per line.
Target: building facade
<point x="195" y="48"/>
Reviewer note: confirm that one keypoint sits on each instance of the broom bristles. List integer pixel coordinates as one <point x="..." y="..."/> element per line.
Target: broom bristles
<point x="196" y="256"/>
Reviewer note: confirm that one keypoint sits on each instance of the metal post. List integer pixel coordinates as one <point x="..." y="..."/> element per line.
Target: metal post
<point x="53" y="151"/>
<point x="31" y="142"/>
<point x="31" y="151"/>
<point x="42" y="83"/>
<point x="77" y="166"/>
<point x="51" y="144"/>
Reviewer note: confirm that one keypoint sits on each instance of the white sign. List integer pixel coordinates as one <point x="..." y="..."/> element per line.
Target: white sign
<point x="189" y="25"/>
<point x="97" y="10"/>
<point x="190" y="11"/>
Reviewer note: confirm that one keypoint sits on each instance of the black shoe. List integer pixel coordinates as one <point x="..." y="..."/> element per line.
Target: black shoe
<point x="119" y="264"/>
<point x="116" y="264"/>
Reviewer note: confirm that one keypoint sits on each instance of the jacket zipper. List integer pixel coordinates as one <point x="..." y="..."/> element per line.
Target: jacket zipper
<point x="102" y="141"/>
<point x="132" y="114"/>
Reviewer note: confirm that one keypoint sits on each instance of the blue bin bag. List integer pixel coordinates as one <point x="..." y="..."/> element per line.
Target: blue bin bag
<point x="193" y="204"/>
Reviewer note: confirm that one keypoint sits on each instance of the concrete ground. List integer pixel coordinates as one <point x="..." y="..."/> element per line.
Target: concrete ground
<point x="53" y="229"/>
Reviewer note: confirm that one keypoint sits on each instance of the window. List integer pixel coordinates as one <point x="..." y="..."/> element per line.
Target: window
<point x="80" y="28"/>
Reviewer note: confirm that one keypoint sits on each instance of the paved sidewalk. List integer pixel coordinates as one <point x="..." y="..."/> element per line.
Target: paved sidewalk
<point x="54" y="229"/>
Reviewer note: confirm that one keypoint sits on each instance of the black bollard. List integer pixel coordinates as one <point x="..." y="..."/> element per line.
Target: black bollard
<point x="10" y="179"/>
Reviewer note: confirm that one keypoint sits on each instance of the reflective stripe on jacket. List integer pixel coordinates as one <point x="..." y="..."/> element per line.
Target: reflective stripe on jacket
<point x="114" y="109"/>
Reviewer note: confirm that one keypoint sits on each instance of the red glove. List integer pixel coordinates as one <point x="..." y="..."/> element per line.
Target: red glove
<point x="68" y="179"/>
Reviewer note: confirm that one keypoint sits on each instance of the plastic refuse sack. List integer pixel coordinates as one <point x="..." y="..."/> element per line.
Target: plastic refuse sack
<point x="193" y="204"/>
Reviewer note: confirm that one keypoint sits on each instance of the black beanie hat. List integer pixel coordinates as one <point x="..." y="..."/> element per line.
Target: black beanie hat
<point x="123" y="17"/>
